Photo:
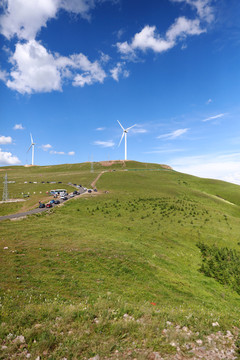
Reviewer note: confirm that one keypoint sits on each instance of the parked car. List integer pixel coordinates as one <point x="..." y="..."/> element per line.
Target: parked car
<point x="89" y="190"/>
<point x="56" y="202"/>
<point x="72" y="195"/>
<point x="48" y="205"/>
<point x="63" y="197"/>
<point x="95" y="190"/>
<point x="59" y="182"/>
<point x="41" y="205"/>
<point x="75" y="192"/>
<point x="52" y="202"/>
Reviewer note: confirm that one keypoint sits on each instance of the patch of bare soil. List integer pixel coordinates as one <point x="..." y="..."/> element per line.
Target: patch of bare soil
<point x="112" y="162"/>
<point x="166" y="167"/>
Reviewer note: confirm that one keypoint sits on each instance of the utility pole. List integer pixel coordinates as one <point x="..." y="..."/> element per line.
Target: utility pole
<point x="5" y="189"/>
<point x="92" y="170"/>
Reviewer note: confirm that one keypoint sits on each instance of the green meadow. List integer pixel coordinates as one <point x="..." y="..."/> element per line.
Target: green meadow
<point x="106" y="273"/>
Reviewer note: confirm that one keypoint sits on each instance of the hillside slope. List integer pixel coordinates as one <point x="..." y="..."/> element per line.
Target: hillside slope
<point x="116" y="274"/>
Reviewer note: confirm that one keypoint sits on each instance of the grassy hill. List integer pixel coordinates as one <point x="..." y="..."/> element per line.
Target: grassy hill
<point x="117" y="274"/>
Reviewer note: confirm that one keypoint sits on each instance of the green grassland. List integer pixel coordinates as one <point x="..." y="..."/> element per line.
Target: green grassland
<point x="104" y="273"/>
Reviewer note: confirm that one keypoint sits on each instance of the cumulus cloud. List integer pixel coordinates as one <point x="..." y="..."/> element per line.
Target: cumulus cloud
<point x="57" y="152"/>
<point x="3" y="75"/>
<point x="37" y="70"/>
<point x="203" y="8"/>
<point x="5" y="140"/>
<point x="173" y="135"/>
<point x="118" y="70"/>
<point x="18" y="127"/>
<point x="149" y="39"/>
<point x="34" y="69"/>
<point x="104" y="144"/>
<point x="46" y="147"/>
<point x="71" y="153"/>
<point x="213" y="117"/>
<point x="25" y="18"/>
<point x="6" y="158"/>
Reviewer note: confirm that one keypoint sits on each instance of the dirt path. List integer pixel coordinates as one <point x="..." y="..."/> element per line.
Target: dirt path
<point x="93" y="184"/>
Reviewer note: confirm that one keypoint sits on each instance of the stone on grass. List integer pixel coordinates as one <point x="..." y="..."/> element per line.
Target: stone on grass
<point x="96" y="357"/>
<point x="20" y="339"/>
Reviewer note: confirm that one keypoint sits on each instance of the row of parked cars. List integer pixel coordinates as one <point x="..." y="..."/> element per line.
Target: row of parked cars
<point x="48" y="205"/>
<point x="55" y="201"/>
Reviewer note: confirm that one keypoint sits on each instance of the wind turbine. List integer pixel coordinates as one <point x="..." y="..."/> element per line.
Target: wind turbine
<point x="32" y="145"/>
<point x="125" y="131"/>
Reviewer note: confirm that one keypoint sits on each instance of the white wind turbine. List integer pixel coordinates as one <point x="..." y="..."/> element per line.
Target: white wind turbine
<point x="125" y="131"/>
<point x="32" y="146"/>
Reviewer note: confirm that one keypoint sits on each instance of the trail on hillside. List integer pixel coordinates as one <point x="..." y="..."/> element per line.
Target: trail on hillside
<point x="93" y="184"/>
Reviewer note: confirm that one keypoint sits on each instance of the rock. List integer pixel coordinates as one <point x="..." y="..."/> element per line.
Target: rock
<point x="38" y="358"/>
<point x="199" y="342"/>
<point x="4" y="347"/>
<point x="155" y="356"/>
<point x="20" y="339"/>
<point x="28" y="356"/>
<point x="5" y="248"/>
<point x="168" y="323"/>
<point x="97" y="357"/>
<point x="215" y="324"/>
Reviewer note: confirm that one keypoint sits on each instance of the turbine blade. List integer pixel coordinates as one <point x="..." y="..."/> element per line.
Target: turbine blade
<point x="120" y="125"/>
<point x="130" y="127"/>
<point x="29" y="148"/>
<point x="121" y="139"/>
<point x="31" y="138"/>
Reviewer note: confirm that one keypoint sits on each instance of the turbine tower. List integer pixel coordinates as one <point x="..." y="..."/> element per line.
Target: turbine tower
<point x="32" y="146"/>
<point x="125" y="131"/>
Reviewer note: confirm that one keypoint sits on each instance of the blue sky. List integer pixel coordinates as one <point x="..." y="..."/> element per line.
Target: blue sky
<point x="71" y="68"/>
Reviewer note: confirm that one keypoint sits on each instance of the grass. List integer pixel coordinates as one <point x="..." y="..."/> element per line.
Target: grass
<point x="104" y="273"/>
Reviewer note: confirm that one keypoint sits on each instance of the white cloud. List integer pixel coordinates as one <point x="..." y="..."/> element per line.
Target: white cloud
<point x="212" y="166"/>
<point x="209" y="101"/>
<point x="118" y="70"/>
<point x="138" y="130"/>
<point x="6" y="158"/>
<point x="57" y="152"/>
<point x="46" y="147"/>
<point x="173" y="135"/>
<point x="18" y="127"/>
<point x="108" y="143"/>
<point x="37" y="70"/>
<point x="25" y="18"/>
<point x="92" y="72"/>
<point x="100" y="128"/>
<point x="34" y="69"/>
<point x="148" y="38"/>
<point x="214" y="117"/>
<point x="203" y="7"/>
<point x="5" y="140"/>
<point x="3" y="75"/>
<point x="71" y="153"/>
